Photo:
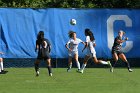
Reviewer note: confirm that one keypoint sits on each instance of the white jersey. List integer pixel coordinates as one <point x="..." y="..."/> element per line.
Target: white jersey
<point x="90" y="48"/>
<point x="73" y="44"/>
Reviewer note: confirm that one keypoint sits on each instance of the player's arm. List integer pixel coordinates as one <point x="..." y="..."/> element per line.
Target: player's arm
<point x="67" y="45"/>
<point x="1" y="53"/>
<point x="86" y="44"/>
<point x="121" y="41"/>
<point x="83" y="43"/>
<point x="36" y="47"/>
<point x="49" y="46"/>
<point x="94" y="44"/>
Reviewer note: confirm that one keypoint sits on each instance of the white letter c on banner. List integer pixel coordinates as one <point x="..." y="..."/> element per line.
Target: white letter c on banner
<point x="110" y="30"/>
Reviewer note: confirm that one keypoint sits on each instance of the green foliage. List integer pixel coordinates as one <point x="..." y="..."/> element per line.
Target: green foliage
<point x="71" y="3"/>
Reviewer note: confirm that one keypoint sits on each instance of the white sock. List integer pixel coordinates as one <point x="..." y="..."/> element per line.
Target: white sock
<point x="70" y="66"/>
<point x="104" y="62"/>
<point x="1" y="64"/>
<point x="78" y="64"/>
<point x="0" y="68"/>
<point x="83" y="66"/>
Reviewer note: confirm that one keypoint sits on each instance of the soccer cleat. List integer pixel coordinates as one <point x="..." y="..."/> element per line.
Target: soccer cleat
<point x="130" y="70"/>
<point x="81" y="71"/>
<point x="109" y="64"/>
<point x="50" y="74"/>
<point x="78" y="71"/>
<point x="111" y="69"/>
<point x="68" y="70"/>
<point x="37" y="73"/>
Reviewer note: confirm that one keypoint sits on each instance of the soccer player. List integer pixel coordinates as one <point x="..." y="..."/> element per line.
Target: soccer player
<point x="72" y="46"/>
<point x="44" y="47"/>
<point x="117" y="50"/>
<point x="91" y="53"/>
<point x="1" y="64"/>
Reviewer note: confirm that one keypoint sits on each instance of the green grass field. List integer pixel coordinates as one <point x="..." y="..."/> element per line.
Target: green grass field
<point x="93" y="80"/>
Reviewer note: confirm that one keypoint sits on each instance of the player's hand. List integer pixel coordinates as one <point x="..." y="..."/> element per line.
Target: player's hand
<point x="126" y="38"/>
<point x="1" y="53"/>
<point x="70" y="49"/>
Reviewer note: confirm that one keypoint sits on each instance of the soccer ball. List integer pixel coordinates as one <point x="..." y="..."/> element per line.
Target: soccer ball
<point x="73" y="22"/>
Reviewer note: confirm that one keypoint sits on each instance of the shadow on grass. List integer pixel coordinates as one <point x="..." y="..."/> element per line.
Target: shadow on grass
<point x="3" y="72"/>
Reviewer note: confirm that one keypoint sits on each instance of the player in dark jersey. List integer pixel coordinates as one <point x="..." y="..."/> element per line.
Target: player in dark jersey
<point x="117" y="50"/>
<point x="44" y="47"/>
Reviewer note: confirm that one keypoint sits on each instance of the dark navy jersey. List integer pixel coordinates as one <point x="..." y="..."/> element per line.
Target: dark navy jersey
<point x="117" y="46"/>
<point x="42" y="45"/>
<point x="116" y="43"/>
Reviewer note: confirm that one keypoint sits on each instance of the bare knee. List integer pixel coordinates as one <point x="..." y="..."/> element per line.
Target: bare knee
<point x="1" y="59"/>
<point x="48" y="61"/>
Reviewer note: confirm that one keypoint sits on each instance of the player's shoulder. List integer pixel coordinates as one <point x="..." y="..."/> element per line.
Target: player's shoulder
<point x="87" y="36"/>
<point x="70" y="39"/>
<point x="93" y="41"/>
<point x="78" y="39"/>
<point x="118" y="37"/>
<point x="45" y="39"/>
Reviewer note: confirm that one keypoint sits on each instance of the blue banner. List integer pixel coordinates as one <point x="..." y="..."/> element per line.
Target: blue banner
<point x="19" y="28"/>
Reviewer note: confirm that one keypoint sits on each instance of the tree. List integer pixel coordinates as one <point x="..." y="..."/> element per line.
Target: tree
<point x="71" y="3"/>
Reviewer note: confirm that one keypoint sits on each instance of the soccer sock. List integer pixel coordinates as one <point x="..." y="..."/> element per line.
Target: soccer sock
<point x="70" y="66"/>
<point x="104" y="62"/>
<point x="114" y="63"/>
<point x="0" y="68"/>
<point x="83" y="66"/>
<point x="36" y="67"/>
<point x="49" y="69"/>
<point x="1" y="63"/>
<point x="127" y="64"/>
<point x="78" y="64"/>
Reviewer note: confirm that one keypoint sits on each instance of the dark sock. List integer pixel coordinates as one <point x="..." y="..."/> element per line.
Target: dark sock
<point x="36" y="67"/>
<point x="114" y="63"/>
<point x="49" y="69"/>
<point x="127" y="64"/>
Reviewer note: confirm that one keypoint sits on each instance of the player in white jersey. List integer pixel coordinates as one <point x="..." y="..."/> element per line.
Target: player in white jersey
<point x="72" y="46"/>
<point x="91" y="53"/>
<point x="1" y="63"/>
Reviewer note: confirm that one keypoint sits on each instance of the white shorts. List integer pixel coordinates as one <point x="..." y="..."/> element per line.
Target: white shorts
<point x="91" y="54"/>
<point x="72" y="53"/>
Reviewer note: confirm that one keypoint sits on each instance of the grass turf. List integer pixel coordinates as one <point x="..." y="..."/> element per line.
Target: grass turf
<point x="93" y="80"/>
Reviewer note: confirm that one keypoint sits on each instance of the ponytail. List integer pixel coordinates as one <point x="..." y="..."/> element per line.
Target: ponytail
<point x="89" y="33"/>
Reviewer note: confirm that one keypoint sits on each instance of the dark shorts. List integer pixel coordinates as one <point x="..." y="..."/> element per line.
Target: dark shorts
<point x="44" y="56"/>
<point x="118" y="52"/>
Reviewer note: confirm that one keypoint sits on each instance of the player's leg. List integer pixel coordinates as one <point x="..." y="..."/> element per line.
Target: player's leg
<point x="123" y="58"/>
<point x="36" y="64"/>
<point x="84" y="63"/>
<point x="69" y="63"/>
<point x="96" y="61"/>
<point x="115" y="59"/>
<point x="1" y="65"/>
<point x="48" y="61"/>
<point x="77" y="61"/>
